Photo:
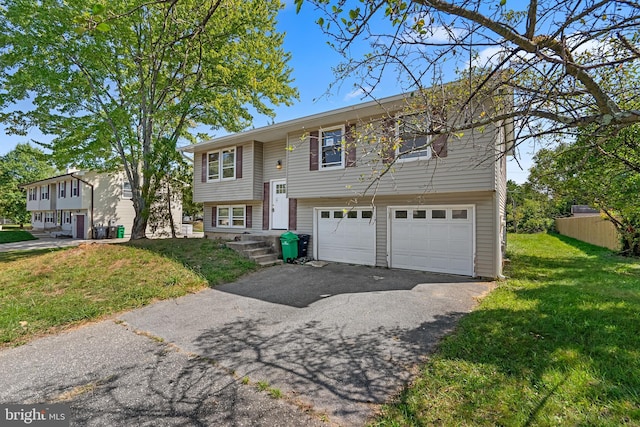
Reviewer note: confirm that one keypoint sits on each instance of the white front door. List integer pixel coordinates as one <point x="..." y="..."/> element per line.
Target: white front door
<point x="279" y="205"/>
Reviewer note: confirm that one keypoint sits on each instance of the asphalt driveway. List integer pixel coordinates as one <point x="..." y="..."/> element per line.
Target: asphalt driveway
<point x="336" y="341"/>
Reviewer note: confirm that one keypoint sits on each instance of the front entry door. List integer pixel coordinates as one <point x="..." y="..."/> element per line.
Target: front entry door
<point x="279" y="205"/>
<point x="79" y="226"/>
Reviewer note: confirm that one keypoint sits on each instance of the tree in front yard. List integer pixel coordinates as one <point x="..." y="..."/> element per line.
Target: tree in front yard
<point x="118" y="84"/>
<point x="21" y="165"/>
<point x="569" y="63"/>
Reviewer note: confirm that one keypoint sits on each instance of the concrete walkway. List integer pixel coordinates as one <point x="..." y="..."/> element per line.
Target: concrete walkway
<point x="335" y="342"/>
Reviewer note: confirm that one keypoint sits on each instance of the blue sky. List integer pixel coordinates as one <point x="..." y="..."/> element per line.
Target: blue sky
<point x="312" y="61"/>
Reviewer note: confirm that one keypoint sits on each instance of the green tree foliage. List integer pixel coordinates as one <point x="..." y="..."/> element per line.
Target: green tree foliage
<point x="530" y="210"/>
<point x="603" y="174"/>
<point x="568" y="62"/>
<point x="22" y="165"/>
<point x="120" y="83"/>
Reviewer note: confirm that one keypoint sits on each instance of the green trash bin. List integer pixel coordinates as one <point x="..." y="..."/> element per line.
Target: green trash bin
<point x="289" y="242"/>
<point x="120" y="232"/>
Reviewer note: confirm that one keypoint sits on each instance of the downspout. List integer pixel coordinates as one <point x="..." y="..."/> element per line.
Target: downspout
<point x="90" y="185"/>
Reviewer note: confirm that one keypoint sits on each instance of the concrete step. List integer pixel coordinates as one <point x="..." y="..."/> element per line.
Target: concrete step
<point x="255" y="252"/>
<point x="259" y="251"/>
<point x="246" y="244"/>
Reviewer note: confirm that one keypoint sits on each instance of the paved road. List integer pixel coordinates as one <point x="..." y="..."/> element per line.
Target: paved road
<point x="336" y="341"/>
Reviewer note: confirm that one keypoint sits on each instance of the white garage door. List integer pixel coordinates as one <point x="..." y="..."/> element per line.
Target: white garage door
<point x="435" y="238"/>
<point x="346" y="235"/>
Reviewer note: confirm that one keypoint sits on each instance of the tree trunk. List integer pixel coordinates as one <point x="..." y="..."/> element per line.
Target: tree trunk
<point x="171" y="223"/>
<point x="139" y="228"/>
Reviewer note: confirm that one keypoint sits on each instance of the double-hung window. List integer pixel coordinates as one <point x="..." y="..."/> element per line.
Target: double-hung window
<point x="412" y="131"/>
<point x="75" y="188"/>
<point x="44" y="192"/>
<point x="62" y="189"/>
<point x="332" y="149"/>
<point x="66" y="215"/>
<point x="48" y="217"/>
<point x="33" y="193"/>
<point x="231" y="216"/>
<point x="221" y="164"/>
<point x="127" y="193"/>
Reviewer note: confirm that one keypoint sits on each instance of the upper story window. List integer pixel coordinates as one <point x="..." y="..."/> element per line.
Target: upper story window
<point x="221" y="164"/>
<point x="331" y="146"/>
<point x="412" y="132"/>
<point x="75" y="188"/>
<point x="33" y="193"/>
<point x="127" y="193"/>
<point x="62" y="189"/>
<point x="44" y="192"/>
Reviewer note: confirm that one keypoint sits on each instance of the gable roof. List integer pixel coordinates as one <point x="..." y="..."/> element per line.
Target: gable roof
<point x="281" y="130"/>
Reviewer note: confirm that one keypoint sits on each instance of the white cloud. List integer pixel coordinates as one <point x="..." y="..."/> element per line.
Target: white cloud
<point x="357" y="93"/>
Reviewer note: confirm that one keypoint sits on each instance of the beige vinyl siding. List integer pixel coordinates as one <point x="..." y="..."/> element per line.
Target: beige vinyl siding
<point x="469" y="166"/>
<point x="257" y="165"/>
<point x="484" y="212"/>
<point x="237" y="189"/>
<point x="273" y="152"/>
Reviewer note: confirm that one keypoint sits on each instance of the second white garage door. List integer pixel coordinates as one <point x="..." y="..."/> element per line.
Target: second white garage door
<point x="434" y="238"/>
<point x="346" y="235"/>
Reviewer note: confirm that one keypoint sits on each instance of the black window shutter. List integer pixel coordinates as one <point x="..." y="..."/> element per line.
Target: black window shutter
<point x="248" y="221"/>
<point x="214" y="216"/>
<point x="239" y="162"/>
<point x="265" y="207"/>
<point x="439" y="145"/>
<point x="350" y="142"/>
<point x="203" y="174"/>
<point x="313" y="150"/>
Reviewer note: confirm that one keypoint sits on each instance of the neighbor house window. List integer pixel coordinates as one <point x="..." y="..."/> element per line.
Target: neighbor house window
<point x="231" y="216"/>
<point x="33" y="193"/>
<point x="48" y="217"/>
<point x="332" y="154"/>
<point x="414" y="141"/>
<point x="62" y="189"/>
<point x="127" y="193"/>
<point x="37" y="217"/>
<point x="44" y="192"/>
<point x="221" y="164"/>
<point x="66" y="217"/>
<point x="75" y="188"/>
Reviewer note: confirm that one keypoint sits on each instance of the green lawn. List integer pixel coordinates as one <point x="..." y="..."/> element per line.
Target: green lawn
<point x="44" y="291"/>
<point x="556" y="344"/>
<point x="10" y="236"/>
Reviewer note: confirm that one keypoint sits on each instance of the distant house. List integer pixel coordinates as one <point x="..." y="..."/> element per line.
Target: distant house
<point x="73" y="203"/>
<point x="584" y="210"/>
<point x="441" y="208"/>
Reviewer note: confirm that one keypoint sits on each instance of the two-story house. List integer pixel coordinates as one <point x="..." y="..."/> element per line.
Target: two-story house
<point x="75" y="202"/>
<point x="366" y="185"/>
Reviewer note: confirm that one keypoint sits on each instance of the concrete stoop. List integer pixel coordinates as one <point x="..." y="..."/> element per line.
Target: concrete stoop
<point x="260" y="251"/>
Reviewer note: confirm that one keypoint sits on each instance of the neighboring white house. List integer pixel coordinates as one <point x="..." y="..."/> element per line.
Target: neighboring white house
<point x="441" y="208"/>
<point x="77" y="201"/>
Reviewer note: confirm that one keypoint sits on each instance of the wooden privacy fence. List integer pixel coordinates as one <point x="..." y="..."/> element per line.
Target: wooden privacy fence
<point x="590" y="229"/>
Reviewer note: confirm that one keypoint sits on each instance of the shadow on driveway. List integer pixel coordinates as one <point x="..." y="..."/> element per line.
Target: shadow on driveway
<point x="339" y="339"/>
<point x="302" y="285"/>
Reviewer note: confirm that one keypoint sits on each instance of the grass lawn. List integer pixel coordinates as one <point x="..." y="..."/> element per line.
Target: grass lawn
<point x="48" y="290"/>
<point x="10" y="236"/>
<point x="558" y="343"/>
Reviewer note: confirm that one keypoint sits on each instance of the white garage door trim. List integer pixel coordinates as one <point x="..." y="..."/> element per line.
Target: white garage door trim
<point x="466" y="267"/>
<point x="353" y="251"/>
